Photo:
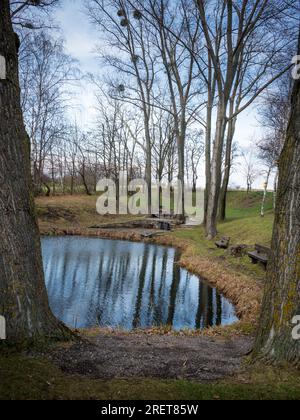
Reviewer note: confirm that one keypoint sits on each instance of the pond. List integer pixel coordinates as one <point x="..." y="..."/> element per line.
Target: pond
<point x="98" y="282"/>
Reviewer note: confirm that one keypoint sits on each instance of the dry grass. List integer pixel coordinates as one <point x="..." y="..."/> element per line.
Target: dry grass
<point x="67" y="212"/>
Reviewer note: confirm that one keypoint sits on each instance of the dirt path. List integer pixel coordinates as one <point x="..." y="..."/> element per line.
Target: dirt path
<point x="168" y="357"/>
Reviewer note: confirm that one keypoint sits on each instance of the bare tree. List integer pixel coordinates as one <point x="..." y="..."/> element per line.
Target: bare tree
<point x="175" y="32"/>
<point x="249" y="168"/>
<point x="134" y="61"/>
<point x="269" y="152"/>
<point x="45" y="72"/>
<point x="31" y="14"/>
<point x="233" y="33"/>
<point x="275" y="114"/>
<point x="194" y="153"/>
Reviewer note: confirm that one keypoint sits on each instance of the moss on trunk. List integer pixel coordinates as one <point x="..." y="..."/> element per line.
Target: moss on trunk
<point x="281" y="301"/>
<point x="23" y="296"/>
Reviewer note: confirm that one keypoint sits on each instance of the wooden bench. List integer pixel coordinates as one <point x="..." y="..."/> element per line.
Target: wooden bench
<point x="260" y="255"/>
<point x="223" y="243"/>
<point x="162" y="216"/>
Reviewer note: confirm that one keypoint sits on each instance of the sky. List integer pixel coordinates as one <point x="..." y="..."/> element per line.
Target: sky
<point x="80" y="42"/>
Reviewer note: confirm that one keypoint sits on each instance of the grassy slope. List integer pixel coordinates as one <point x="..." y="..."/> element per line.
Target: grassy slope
<point x="23" y="378"/>
<point x="244" y="225"/>
<point x="72" y="211"/>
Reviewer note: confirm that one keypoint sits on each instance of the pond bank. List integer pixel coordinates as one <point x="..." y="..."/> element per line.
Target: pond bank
<point x="244" y="292"/>
<point x="117" y="355"/>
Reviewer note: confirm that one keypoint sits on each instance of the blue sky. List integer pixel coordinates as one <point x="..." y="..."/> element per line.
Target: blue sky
<point x="81" y="39"/>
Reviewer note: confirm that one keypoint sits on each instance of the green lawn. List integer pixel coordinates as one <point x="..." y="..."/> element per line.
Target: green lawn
<point x="244" y="223"/>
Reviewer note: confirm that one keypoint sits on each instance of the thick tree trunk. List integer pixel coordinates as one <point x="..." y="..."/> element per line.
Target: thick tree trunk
<point x="228" y="164"/>
<point x="281" y="301"/>
<point x="148" y="170"/>
<point x="23" y="296"/>
<point x="181" y="174"/>
<point x="148" y="178"/>
<point x="211" y="88"/>
<point x="208" y="154"/>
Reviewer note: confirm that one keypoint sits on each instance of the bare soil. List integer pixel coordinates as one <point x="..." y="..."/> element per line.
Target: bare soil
<point x="121" y="355"/>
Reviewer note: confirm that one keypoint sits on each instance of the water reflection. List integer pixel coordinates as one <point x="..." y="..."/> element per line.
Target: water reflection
<point x="96" y="282"/>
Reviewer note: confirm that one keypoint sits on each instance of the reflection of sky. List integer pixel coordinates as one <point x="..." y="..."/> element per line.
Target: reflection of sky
<point x="94" y="282"/>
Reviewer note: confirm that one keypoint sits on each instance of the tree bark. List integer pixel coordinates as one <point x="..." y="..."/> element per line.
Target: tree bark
<point x="23" y="296"/>
<point x="216" y="173"/>
<point x="148" y="171"/>
<point x="275" y="189"/>
<point x="227" y="171"/>
<point x="210" y="100"/>
<point x="228" y="164"/>
<point x="281" y="300"/>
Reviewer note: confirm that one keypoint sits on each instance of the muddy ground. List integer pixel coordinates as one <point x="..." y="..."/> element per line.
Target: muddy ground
<point x="200" y="359"/>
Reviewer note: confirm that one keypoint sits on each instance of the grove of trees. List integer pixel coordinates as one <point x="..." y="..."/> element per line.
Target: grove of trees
<point x="176" y="77"/>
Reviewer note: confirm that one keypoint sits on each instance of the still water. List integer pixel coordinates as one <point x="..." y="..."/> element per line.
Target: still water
<point x="96" y="282"/>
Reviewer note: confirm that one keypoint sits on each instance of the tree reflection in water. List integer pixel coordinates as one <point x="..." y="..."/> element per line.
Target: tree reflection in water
<point x="96" y="282"/>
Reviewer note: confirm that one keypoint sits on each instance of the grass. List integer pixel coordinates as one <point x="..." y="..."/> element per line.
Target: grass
<point x="72" y="211"/>
<point x="244" y="225"/>
<point x="22" y="377"/>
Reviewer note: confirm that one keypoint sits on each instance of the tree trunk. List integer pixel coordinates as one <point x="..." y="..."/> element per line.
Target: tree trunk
<point x="148" y="178"/>
<point x="208" y="154"/>
<point x="181" y="160"/>
<point x="83" y="177"/>
<point x="281" y="300"/>
<point x="48" y="189"/>
<point x="216" y="173"/>
<point x="23" y="296"/>
<point x="148" y="169"/>
<point x="275" y="189"/>
<point x="228" y="164"/>
<point x="211" y="85"/>
<point x="263" y="203"/>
